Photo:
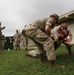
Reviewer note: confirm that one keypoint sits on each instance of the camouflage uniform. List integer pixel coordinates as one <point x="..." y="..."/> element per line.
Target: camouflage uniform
<point x="17" y="40"/>
<point x="1" y="38"/>
<point x="26" y="38"/>
<point x="57" y="43"/>
<point x="42" y="40"/>
<point x="0" y="41"/>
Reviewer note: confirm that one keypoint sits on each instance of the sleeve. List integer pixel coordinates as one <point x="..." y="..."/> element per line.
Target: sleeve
<point x="49" y="22"/>
<point x="1" y="28"/>
<point x="55" y="31"/>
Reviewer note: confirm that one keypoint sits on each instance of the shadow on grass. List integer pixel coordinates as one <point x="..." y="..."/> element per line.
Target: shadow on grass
<point x="65" y="59"/>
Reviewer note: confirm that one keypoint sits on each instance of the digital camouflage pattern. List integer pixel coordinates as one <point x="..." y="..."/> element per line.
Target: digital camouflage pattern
<point x="35" y="31"/>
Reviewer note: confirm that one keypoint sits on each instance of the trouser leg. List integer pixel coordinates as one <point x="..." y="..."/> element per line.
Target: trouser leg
<point x="41" y="51"/>
<point x="42" y="38"/>
<point x="57" y="44"/>
<point x="69" y="49"/>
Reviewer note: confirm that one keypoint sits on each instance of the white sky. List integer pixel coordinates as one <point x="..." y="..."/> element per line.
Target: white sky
<point x="14" y="14"/>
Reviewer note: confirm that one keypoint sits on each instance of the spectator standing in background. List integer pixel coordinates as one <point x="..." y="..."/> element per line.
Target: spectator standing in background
<point x="17" y="40"/>
<point x="1" y="44"/>
<point x="25" y="36"/>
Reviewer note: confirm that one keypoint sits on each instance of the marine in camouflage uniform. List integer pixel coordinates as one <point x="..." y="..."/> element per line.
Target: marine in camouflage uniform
<point x="26" y="38"/>
<point x="67" y="41"/>
<point x="3" y="40"/>
<point x="17" y="40"/>
<point x="40" y="32"/>
<point x="0" y="41"/>
<point x="1" y="28"/>
<point x="57" y="41"/>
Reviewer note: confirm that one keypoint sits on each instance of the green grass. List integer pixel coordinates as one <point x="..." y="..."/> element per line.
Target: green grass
<point x="17" y="63"/>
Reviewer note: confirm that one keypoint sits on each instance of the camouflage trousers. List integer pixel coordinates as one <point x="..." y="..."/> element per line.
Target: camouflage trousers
<point x="43" y="42"/>
<point x="17" y="45"/>
<point x="59" y="42"/>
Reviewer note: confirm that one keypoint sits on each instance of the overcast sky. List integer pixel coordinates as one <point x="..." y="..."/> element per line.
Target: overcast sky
<point x="14" y="14"/>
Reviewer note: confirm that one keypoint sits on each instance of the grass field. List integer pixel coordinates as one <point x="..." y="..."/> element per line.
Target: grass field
<point x="17" y="63"/>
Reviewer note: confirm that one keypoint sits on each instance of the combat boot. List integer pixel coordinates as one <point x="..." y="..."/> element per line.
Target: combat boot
<point x="41" y="58"/>
<point x="52" y="63"/>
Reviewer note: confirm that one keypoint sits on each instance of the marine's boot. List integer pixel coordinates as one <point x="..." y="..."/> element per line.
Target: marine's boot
<point x="41" y="58"/>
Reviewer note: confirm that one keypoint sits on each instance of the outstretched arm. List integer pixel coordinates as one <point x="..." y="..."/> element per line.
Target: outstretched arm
<point x="1" y="28"/>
